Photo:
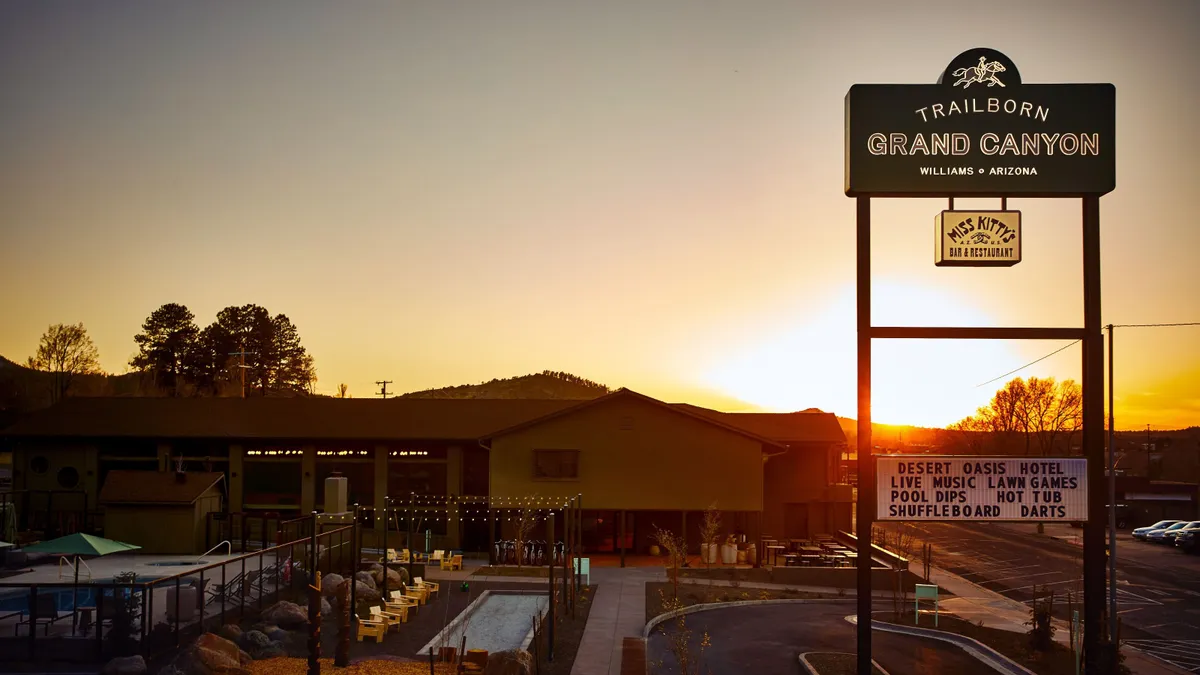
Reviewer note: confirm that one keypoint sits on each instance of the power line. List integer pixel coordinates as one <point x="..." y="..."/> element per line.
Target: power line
<point x="1118" y="325"/>
<point x="383" y="387"/>
<point x="1153" y="325"/>
<point x="1027" y="365"/>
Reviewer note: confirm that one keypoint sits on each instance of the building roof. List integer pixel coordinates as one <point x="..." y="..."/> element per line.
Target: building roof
<point x="685" y="411"/>
<point x="333" y="419"/>
<point x="156" y="487"/>
<point x="788" y="428"/>
<point x="281" y="418"/>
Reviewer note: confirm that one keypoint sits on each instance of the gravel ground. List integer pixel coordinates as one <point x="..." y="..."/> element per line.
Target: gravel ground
<point x="497" y="622"/>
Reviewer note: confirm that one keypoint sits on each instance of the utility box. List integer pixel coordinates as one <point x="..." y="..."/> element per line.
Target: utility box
<point x="336" y="491"/>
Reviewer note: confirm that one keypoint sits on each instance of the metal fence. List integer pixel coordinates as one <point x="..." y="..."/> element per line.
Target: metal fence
<point x="97" y="621"/>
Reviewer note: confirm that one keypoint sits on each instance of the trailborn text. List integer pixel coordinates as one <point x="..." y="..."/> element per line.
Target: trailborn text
<point x="981" y="488"/>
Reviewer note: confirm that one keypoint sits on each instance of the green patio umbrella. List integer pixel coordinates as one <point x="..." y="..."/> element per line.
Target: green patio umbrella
<point x="5" y="544"/>
<point x="79" y="545"/>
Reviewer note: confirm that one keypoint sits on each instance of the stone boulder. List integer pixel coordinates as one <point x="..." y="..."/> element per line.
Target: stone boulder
<point x="275" y="634"/>
<point x="254" y="640"/>
<point x="231" y="632"/>
<point x="510" y="662"/>
<point x="212" y="654"/>
<point x="366" y="578"/>
<point x="271" y="651"/>
<point x="326" y="608"/>
<point x="125" y="665"/>
<point x="366" y="593"/>
<point x="395" y="576"/>
<point x="286" y="615"/>
<point x="330" y="583"/>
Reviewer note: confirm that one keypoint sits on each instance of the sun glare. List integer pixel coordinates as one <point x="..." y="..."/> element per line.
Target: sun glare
<point x="919" y="382"/>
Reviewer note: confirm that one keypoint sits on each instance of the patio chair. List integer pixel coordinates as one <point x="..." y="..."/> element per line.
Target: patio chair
<point x="447" y="563"/>
<point x="430" y="585"/>
<point x="420" y="593"/>
<point x="456" y="563"/>
<point x="389" y="618"/>
<point x="398" y="599"/>
<point x="375" y="629"/>
<point x="437" y="555"/>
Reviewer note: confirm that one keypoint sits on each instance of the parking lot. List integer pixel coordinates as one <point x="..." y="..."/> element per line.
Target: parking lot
<point x="1158" y="587"/>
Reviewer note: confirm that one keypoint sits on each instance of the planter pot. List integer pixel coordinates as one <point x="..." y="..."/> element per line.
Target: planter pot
<point x="728" y="554"/>
<point x="741" y="557"/>
<point x="751" y="554"/>
<point x="708" y="553"/>
<point x="655" y="550"/>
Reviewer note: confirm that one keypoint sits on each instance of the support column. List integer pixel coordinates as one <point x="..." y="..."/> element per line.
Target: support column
<point x="866" y="467"/>
<point x="454" y="479"/>
<point x="164" y="457"/>
<point x="237" y="478"/>
<point x="1093" y="441"/>
<point x="308" y="478"/>
<point x="621" y="535"/>
<point x="379" y="502"/>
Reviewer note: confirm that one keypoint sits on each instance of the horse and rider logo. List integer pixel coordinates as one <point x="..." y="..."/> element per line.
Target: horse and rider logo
<point x="984" y="73"/>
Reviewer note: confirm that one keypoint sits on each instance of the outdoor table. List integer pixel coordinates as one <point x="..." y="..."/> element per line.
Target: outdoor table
<point x="811" y="549"/>
<point x="85" y="617"/>
<point x="774" y="550"/>
<point x="789" y="559"/>
<point x="809" y="559"/>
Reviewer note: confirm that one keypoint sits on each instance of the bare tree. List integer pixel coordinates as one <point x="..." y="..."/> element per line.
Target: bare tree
<point x="523" y="528"/>
<point x="343" y="390"/>
<point x="688" y="660"/>
<point x="1038" y="411"/>
<point x="675" y="546"/>
<point x="710" y="529"/>
<point x="65" y="351"/>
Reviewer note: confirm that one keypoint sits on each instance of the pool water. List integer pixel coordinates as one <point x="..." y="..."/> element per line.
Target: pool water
<point x="17" y="600"/>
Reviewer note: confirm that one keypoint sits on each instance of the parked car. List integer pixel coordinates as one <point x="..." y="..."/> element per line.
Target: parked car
<point x="1169" y="534"/>
<point x="1166" y="535"/>
<point x="1187" y="540"/>
<point x="1124" y="513"/>
<point x="1141" y="532"/>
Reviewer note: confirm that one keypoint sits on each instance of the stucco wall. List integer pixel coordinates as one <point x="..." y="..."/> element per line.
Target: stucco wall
<point x="157" y="529"/>
<point x="635" y="455"/>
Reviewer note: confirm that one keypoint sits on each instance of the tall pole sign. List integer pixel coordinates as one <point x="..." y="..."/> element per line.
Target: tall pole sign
<point x="980" y="131"/>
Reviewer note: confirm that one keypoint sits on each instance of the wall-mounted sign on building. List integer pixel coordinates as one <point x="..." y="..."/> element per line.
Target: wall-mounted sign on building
<point x="977" y="238"/>
<point x="980" y="132"/>
<point x="925" y="487"/>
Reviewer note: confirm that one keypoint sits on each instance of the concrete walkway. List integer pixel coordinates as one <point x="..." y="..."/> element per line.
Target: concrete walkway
<point x="979" y="605"/>
<point x="618" y="611"/>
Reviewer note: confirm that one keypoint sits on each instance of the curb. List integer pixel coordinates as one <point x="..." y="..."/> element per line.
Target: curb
<point x="975" y="648"/>
<point x="709" y="606"/>
<point x="813" y="671"/>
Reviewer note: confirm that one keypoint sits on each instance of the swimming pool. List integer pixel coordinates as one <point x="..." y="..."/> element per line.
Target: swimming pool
<point x="64" y="599"/>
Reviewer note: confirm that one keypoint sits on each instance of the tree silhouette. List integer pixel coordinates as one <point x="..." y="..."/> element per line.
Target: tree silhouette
<point x="168" y="337"/>
<point x="66" y="351"/>
<point x="1031" y="416"/>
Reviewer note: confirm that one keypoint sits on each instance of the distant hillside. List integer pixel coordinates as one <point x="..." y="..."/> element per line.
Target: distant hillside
<point x="893" y="435"/>
<point x="23" y="388"/>
<point x="547" y="384"/>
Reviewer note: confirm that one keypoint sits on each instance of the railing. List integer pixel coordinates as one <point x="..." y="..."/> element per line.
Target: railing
<point x="92" y="622"/>
<point x="74" y="569"/>
<point x="226" y="543"/>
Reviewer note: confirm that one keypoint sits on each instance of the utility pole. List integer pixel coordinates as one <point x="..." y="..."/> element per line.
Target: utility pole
<point x="1112" y="498"/>
<point x="242" y="365"/>
<point x="383" y="387"/>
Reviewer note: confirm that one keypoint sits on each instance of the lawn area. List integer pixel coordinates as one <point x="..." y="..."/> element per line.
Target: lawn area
<point x="1015" y="646"/>
<point x="568" y="633"/>
<point x="512" y="571"/>
<point x="836" y="663"/>
<point x="699" y="594"/>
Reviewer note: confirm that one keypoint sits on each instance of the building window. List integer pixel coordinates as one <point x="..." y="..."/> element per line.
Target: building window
<point x="68" y="477"/>
<point x="556" y="464"/>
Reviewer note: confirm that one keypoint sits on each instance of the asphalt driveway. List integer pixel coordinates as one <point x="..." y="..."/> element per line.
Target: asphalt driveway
<point x="767" y="639"/>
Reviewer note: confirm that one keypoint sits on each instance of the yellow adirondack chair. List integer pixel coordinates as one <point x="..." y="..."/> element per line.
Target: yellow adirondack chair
<point x="429" y="587"/>
<point x="388" y="618"/>
<point x="374" y="629"/>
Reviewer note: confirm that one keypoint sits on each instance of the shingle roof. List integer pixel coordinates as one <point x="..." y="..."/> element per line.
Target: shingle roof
<point x="156" y="487"/>
<point x="281" y="418"/>
<point x="688" y="411"/>
<point x="361" y="419"/>
<point x="787" y="428"/>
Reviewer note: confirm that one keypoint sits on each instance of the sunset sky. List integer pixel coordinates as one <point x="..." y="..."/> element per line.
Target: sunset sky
<point x="646" y="194"/>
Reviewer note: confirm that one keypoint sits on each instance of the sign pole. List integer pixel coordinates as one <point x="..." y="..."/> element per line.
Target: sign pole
<point x="866" y="466"/>
<point x="1112" y="499"/>
<point x="1093" y="439"/>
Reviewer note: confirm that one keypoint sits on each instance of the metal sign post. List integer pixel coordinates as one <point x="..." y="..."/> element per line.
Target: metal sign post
<point x="980" y="132"/>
